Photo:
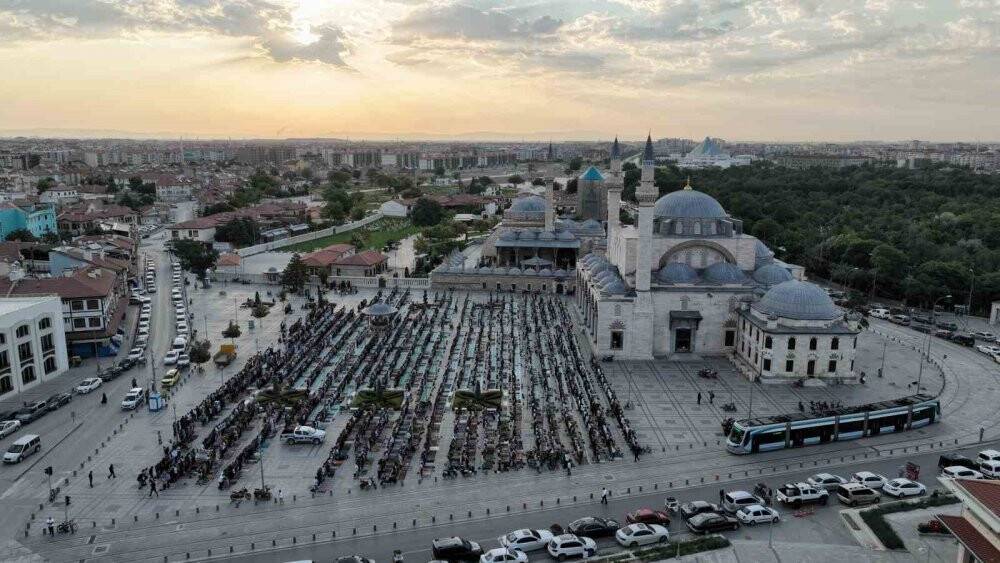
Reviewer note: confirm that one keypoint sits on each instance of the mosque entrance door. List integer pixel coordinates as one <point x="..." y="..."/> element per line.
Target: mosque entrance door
<point x="682" y="340"/>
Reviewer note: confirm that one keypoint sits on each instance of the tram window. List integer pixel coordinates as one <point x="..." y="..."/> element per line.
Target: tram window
<point x="922" y="414"/>
<point x="771" y="437"/>
<point x="853" y="426"/>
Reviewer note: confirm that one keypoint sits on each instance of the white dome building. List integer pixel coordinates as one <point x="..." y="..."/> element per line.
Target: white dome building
<point x="684" y="279"/>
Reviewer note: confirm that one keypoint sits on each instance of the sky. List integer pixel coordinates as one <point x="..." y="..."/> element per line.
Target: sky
<point x="761" y="70"/>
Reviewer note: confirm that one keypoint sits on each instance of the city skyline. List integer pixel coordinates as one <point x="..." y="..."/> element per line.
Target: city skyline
<point x="769" y="70"/>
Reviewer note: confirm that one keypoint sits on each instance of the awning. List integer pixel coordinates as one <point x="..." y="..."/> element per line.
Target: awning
<point x="971" y="538"/>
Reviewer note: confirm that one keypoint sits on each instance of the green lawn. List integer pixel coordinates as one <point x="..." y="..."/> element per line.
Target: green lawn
<point x="377" y="235"/>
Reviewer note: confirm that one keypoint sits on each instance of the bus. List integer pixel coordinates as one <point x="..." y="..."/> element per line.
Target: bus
<point x="750" y="436"/>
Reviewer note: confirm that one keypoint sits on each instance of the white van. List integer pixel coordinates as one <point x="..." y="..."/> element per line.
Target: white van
<point x="23" y="447"/>
<point x="733" y="501"/>
<point x="879" y="313"/>
<point x="990" y="469"/>
<point x="180" y="343"/>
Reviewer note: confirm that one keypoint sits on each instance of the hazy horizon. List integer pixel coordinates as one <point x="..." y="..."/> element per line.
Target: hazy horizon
<point x="770" y="70"/>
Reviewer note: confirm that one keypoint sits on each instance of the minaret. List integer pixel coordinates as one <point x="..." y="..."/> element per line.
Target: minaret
<point x="642" y="309"/>
<point x="615" y="186"/>
<point x="550" y="203"/>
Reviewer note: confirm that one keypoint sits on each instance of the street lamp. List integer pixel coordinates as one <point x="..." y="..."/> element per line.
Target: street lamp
<point x="920" y="372"/>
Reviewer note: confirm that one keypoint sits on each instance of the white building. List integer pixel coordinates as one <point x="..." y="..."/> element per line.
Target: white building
<point x="708" y="153"/>
<point x="32" y="343"/>
<point x="59" y="195"/>
<point x="394" y="208"/>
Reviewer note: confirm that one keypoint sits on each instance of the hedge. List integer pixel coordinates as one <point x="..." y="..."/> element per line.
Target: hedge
<point x="875" y="517"/>
<point x="697" y="545"/>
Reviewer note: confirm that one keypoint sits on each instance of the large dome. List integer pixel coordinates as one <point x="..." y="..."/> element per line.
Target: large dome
<point x="677" y="272"/>
<point x="528" y="204"/>
<point x="771" y="274"/>
<point x="723" y="273"/>
<point x="689" y="203"/>
<point x="798" y="300"/>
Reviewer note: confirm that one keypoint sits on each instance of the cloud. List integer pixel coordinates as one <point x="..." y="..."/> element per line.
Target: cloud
<point x="266" y="23"/>
<point x="462" y="22"/>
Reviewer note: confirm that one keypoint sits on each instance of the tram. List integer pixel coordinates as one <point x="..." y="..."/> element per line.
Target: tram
<point x="762" y="434"/>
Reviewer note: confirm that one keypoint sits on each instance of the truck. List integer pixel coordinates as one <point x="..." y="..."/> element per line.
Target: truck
<point x="225" y="355"/>
<point x="797" y="494"/>
<point x="302" y="435"/>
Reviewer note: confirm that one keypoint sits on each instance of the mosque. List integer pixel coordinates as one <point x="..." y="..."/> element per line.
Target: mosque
<point x="684" y="282"/>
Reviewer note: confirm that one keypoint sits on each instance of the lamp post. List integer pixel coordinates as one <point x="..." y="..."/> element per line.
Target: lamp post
<point x="920" y="371"/>
<point x="968" y="306"/>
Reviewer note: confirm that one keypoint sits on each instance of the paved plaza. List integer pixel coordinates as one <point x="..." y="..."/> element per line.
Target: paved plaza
<point x="556" y="406"/>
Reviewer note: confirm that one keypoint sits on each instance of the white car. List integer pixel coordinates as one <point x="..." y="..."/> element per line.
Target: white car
<point x="988" y="455"/>
<point x="171" y="358"/>
<point x="136" y="353"/>
<point x="8" y="427"/>
<point x="144" y="325"/>
<point x="869" y="479"/>
<point x="183" y="360"/>
<point x="827" y="481"/>
<point x="526" y="540"/>
<point x="900" y="488"/>
<point x="133" y="398"/>
<point x="757" y="514"/>
<point x="956" y="471"/>
<point x="568" y="545"/>
<point x="635" y="535"/>
<point x="503" y="555"/>
<point x="88" y="385"/>
<point x="984" y="335"/>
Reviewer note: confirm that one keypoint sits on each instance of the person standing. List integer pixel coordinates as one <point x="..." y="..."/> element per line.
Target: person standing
<point x="711" y="397"/>
<point x="699" y="397"/>
<point x="604" y="495"/>
<point x="111" y="471"/>
<point x="722" y="496"/>
<point x="51" y="525"/>
<point x="152" y="488"/>
<point x="90" y="477"/>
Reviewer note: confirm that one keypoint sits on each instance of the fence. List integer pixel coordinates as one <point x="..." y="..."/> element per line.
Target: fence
<point x="274" y="278"/>
<point x="267" y="246"/>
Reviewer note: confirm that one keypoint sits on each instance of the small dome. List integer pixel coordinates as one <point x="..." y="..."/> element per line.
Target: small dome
<point x="592" y="225"/>
<point x="600" y="267"/>
<point x="514" y="272"/>
<point x="688" y="203"/>
<point x="528" y="204"/>
<point x="677" y="272"/>
<point x="798" y="300"/>
<point x="723" y="273"/>
<point x="527" y="235"/>
<point x="530" y="272"/>
<point x="560" y="273"/>
<point x="565" y="236"/>
<point x="615" y="288"/>
<point x="546" y="235"/>
<point x="485" y="270"/>
<point x="508" y="235"/>
<point x="762" y="254"/>
<point x="605" y="276"/>
<point x="771" y="274"/>
<point x="455" y="270"/>
<point x="545" y="272"/>
<point x="588" y="258"/>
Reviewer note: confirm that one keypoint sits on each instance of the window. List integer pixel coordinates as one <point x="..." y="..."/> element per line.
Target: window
<point x="6" y="385"/>
<point x="791" y="343"/>
<point x="50" y="365"/>
<point x="77" y="305"/>
<point x="835" y="343"/>
<point x="23" y="331"/>
<point x="812" y="343"/>
<point x="768" y="342"/>
<point x="3" y="338"/>
<point x="94" y="322"/>
<point x="767" y="364"/>
<point x="4" y="360"/>
<point x="617" y="340"/>
<point x="811" y="367"/>
<point x="24" y="352"/>
<point x="832" y="367"/>
<point x="678" y="228"/>
<point x="28" y="375"/>
<point x="93" y="304"/>
<point x="47" y="343"/>
<point x="789" y="365"/>
<point x="855" y="342"/>
<point x="44" y="323"/>
<point x="697" y="228"/>
<point x="79" y="323"/>
<point x="730" y="337"/>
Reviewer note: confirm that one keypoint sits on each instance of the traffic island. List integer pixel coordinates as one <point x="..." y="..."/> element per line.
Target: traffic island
<point x="881" y="530"/>
<point x="668" y="550"/>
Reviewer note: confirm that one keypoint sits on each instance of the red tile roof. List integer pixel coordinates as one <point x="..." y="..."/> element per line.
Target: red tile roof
<point x="366" y="258"/>
<point x="986" y="492"/>
<point x="326" y="256"/>
<point x="228" y="259"/>
<point x="971" y="538"/>
<point x="86" y="282"/>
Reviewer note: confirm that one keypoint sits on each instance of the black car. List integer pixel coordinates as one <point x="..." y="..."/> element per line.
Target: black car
<point x="921" y="328"/>
<point x="58" y="400"/>
<point x="950" y="460"/>
<point x="712" y="522"/>
<point x="8" y="415"/>
<point x="354" y="559"/>
<point x="593" y="527"/>
<point x="456" y="549"/>
<point x="694" y="508"/>
<point x="31" y="412"/>
<point x="921" y="319"/>
<point x="947" y="325"/>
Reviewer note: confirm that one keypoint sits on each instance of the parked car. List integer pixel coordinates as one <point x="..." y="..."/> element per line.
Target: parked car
<point x="635" y="535"/>
<point x="88" y="385"/>
<point x="950" y="460"/>
<point x="957" y="471"/>
<point x="456" y="549"/>
<point x="922" y="319"/>
<point x="526" y="540"/>
<point x="984" y="335"/>
<point x="988" y="455"/>
<point x="593" y="527"/>
<point x="32" y="412"/>
<point x="735" y="500"/>
<point x="826" y="481"/>
<point x="24" y="446"/>
<point x="648" y="516"/>
<point x="900" y="488"/>
<point x="8" y="427"/>
<point x="568" y="545"/>
<point x="854" y="494"/>
<point x="797" y="494"/>
<point x="947" y="325"/>
<point x="712" y="522"/>
<point x="303" y="435"/>
<point x="183" y="360"/>
<point x="757" y="514"/>
<point x="503" y="555"/>
<point x="136" y="353"/>
<point x="689" y="509"/>
<point x="171" y="358"/>
<point x="133" y="398"/>
<point x="170" y="378"/>
<point x="58" y="400"/>
<point x="869" y="479"/>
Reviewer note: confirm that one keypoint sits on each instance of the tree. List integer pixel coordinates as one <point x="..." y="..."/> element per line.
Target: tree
<point x="221" y="207"/>
<point x="45" y="184"/>
<point x="22" y="235"/>
<point x="515" y="179"/>
<point x="439" y="171"/>
<point x="538" y="182"/>
<point x="232" y="330"/>
<point x="194" y="256"/>
<point x="201" y="351"/>
<point x="575" y="163"/>
<point x="281" y="395"/>
<point x="571" y="186"/>
<point x="426" y="212"/>
<point x="379" y="397"/>
<point x="295" y="275"/>
<point x="477" y="398"/>
<point x="242" y="231"/>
